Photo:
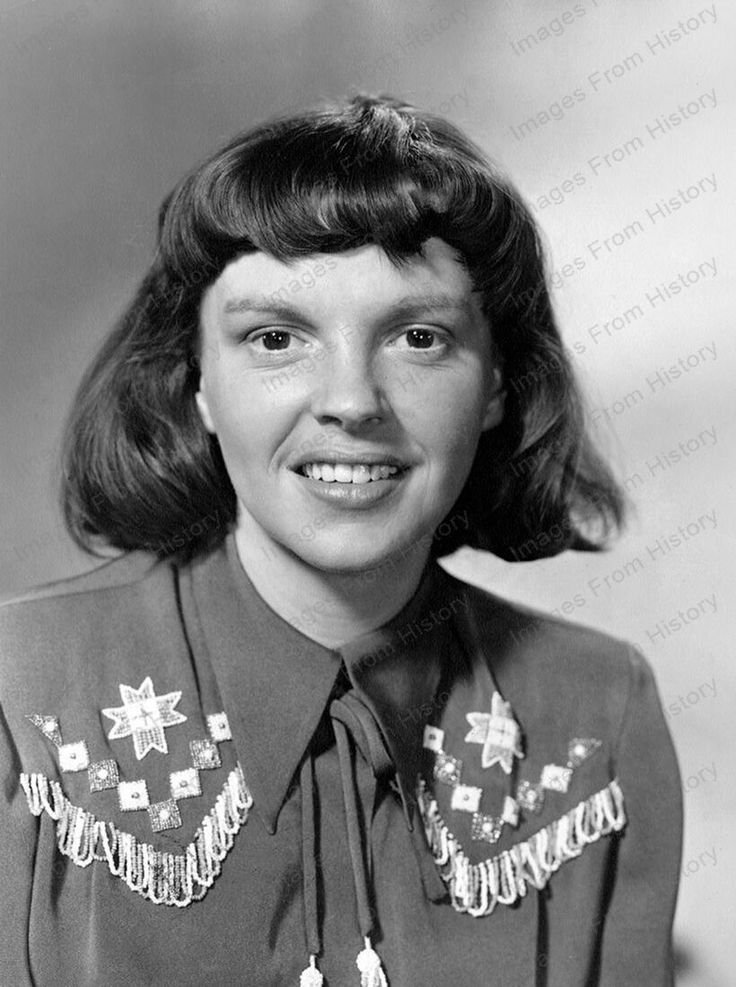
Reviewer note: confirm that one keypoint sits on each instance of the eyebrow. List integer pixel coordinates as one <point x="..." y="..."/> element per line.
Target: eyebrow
<point x="406" y="305"/>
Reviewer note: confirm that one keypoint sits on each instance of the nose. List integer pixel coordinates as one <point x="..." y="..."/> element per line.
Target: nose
<point x="349" y="392"/>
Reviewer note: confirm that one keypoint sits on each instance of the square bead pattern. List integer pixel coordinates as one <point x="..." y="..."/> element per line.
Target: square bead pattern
<point x="489" y="828"/>
<point x="164" y="815"/>
<point x="133" y="795"/>
<point x="434" y="738"/>
<point x="486" y="828"/>
<point x="185" y="784"/>
<point x="74" y="757"/>
<point x="466" y="798"/>
<point x="103" y="775"/>
<point x="530" y="796"/>
<point x="447" y="769"/>
<point x="555" y="778"/>
<point x="205" y="754"/>
<point x="218" y="726"/>
<point x="510" y="813"/>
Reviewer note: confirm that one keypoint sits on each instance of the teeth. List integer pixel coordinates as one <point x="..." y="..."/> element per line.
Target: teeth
<point x="348" y="472"/>
<point x="361" y="474"/>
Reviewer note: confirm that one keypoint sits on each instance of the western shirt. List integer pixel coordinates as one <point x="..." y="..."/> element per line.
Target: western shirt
<point x="195" y="791"/>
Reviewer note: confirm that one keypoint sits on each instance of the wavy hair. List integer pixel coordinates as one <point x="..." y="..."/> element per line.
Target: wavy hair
<point x="139" y="469"/>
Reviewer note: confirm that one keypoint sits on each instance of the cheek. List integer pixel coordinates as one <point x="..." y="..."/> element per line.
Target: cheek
<point x="444" y="415"/>
<point x="244" y="419"/>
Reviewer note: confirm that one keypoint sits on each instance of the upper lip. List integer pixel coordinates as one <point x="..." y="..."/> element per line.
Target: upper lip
<point x="353" y="458"/>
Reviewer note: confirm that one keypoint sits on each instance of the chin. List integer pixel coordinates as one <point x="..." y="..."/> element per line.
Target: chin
<point x="345" y="560"/>
<point x="349" y="556"/>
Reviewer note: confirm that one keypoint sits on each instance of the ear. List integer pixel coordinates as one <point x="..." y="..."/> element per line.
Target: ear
<point x="494" y="409"/>
<point x="204" y="409"/>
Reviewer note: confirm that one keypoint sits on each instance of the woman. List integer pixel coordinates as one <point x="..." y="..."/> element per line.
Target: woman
<point x="274" y="737"/>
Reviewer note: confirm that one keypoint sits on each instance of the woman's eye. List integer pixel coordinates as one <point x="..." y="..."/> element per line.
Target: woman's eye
<point x="274" y="339"/>
<point x="420" y="339"/>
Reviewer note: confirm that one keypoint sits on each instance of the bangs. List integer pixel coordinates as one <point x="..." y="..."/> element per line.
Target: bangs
<point x="370" y="173"/>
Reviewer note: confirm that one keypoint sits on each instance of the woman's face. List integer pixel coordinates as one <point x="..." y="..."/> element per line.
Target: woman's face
<point x="348" y="396"/>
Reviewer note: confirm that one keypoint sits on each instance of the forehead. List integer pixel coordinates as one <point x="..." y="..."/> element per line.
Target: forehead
<point x="344" y="282"/>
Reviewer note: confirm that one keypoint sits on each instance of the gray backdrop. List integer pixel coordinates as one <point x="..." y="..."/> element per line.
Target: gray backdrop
<point x="611" y="117"/>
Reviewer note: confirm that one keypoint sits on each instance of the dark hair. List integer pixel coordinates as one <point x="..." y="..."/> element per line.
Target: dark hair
<point x="141" y="471"/>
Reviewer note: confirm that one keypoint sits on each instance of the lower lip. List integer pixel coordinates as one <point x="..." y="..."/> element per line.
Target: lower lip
<point x="353" y="495"/>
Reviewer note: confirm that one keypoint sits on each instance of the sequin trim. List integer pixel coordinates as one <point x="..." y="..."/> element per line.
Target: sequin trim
<point x="164" y="815"/>
<point x="48" y="725"/>
<point x="103" y="775"/>
<point x="477" y="888"/>
<point x="161" y="877"/>
<point x="205" y="754"/>
<point x="447" y="769"/>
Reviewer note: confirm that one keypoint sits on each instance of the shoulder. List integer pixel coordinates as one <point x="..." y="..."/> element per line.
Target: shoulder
<point x="121" y="570"/>
<point x="544" y="660"/>
<point x="48" y="633"/>
<point x="521" y="628"/>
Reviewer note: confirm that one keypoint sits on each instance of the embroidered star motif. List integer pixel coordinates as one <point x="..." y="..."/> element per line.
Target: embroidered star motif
<point x="144" y="716"/>
<point x="498" y="732"/>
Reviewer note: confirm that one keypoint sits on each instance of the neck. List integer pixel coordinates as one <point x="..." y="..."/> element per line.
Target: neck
<point x="332" y="608"/>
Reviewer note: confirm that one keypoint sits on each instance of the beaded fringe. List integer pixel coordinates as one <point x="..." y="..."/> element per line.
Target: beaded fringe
<point x="478" y="888"/>
<point x="164" y="878"/>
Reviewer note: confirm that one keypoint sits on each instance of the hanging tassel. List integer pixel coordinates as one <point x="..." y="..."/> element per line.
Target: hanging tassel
<point x="369" y="964"/>
<point x="311" y="977"/>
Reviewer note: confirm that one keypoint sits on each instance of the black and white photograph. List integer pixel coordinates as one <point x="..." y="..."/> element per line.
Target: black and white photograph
<point x="366" y="494"/>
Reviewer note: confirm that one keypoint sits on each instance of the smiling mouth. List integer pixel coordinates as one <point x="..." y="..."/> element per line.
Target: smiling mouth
<point x="347" y="473"/>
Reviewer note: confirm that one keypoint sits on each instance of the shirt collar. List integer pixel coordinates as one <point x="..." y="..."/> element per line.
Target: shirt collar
<point x="396" y="670"/>
<point x="275" y="682"/>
